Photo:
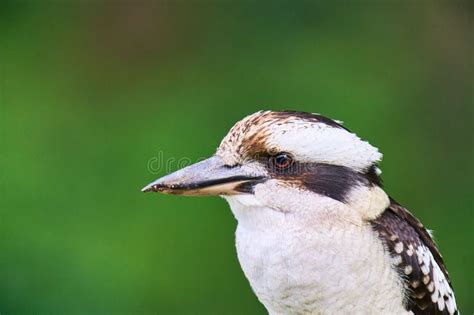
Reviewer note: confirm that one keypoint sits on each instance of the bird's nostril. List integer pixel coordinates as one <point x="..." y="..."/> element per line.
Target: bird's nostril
<point x="159" y="188"/>
<point x="230" y="166"/>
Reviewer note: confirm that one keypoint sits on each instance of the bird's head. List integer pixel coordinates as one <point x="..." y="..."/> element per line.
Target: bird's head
<point x="283" y="157"/>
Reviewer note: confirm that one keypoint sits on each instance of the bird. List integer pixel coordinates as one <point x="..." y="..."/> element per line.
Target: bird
<point x="316" y="231"/>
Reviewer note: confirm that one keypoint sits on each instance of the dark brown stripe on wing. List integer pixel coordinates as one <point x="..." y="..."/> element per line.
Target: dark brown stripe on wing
<point x="417" y="260"/>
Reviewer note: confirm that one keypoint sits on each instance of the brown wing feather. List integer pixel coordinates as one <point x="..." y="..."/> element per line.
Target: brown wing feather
<point x="418" y="261"/>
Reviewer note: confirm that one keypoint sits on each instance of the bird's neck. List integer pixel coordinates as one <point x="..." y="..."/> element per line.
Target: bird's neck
<point x="276" y="207"/>
<point x="305" y="253"/>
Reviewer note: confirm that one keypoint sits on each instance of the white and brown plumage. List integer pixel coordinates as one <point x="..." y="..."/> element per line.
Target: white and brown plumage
<point x="316" y="232"/>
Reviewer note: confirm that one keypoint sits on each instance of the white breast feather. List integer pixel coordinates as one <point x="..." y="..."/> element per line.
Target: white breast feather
<point x="310" y="254"/>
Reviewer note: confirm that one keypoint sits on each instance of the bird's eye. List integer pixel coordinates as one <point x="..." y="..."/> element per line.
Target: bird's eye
<point x="282" y="160"/>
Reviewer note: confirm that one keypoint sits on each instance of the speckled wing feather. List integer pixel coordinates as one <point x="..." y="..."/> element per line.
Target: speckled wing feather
<point x="418" y="261"/>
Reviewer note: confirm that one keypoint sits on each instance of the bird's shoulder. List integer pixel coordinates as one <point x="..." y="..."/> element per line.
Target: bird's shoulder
<point x="418" y="261"/>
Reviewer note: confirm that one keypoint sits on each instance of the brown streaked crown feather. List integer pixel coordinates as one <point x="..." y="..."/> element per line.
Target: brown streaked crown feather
<point x="247" y="138"/>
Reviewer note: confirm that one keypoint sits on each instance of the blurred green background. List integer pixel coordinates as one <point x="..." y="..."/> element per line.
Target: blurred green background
<point x="92" y="93"/>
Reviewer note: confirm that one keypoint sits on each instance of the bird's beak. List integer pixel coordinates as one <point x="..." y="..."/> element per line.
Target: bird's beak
<point x="208" y="177"/>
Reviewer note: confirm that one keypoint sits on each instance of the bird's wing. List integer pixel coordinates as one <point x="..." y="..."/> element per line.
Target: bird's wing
<point x="426" y="280"/>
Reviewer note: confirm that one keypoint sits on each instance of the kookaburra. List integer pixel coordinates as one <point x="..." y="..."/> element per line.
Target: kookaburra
<point x="316" y="232"/>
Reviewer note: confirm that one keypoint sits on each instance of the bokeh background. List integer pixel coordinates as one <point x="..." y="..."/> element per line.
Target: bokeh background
<point x="93" y="94"/>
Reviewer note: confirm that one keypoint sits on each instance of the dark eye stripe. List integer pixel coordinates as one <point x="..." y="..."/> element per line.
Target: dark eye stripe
<point x="329" y="180"/>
